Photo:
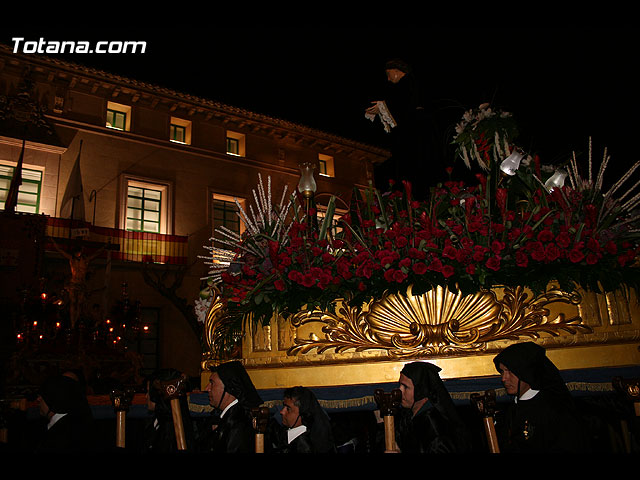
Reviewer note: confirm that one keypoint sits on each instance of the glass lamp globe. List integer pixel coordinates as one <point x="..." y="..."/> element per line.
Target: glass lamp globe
<point x="307" y="184"/>
<point x="555" y="181"/>
<point x="511" y="163"/>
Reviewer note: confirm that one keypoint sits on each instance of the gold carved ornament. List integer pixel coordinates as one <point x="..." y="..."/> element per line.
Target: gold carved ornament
<point x="437" y="322"/>
<point x="434" y="323"/>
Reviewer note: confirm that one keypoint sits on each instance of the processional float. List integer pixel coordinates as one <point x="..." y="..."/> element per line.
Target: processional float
<point x="532" y="252"/>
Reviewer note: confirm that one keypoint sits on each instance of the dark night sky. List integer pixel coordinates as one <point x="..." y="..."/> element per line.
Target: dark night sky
<point x="562" y="85"/>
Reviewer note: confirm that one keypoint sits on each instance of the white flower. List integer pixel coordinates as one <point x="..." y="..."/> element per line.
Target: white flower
<point x="201" y="307"/>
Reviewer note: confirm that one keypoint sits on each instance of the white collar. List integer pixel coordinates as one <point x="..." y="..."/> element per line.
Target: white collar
<point x="528" y="395"/>
<point x="54" y="419"/>
<point x="228" y="407"/>
<point x="295" y="432"/>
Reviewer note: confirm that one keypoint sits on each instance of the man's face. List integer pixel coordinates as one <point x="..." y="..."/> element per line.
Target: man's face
<point x="394" y="75"/>
<point x="407" y="389"/>
<point x="215" y="388"/>
<point x="290" y="413"/>
<point x="44" y="408"/>
<point x="510" y="382"/>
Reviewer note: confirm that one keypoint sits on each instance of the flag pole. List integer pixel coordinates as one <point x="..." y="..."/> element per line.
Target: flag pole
<point x="11" y="201"/>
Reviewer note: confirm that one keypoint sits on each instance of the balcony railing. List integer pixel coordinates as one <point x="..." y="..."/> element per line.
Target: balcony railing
<point x="125" y="245"/>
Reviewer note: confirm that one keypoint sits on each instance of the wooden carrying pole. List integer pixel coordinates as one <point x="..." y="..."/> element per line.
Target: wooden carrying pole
<point x="486" y="405"/>
<point x="121" y="401"/>
<point x="260" y="422"/>
<point x="630" y="389"/>
<point x="172" y="390"/>
<point x="388" y="404"/>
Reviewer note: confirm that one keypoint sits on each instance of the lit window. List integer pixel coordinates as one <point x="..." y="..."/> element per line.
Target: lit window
<point x="225" y="214"/>
<point x="177" y="134"/>
<point x="180" y="131"/>
<point x="325" y="165"/>
<point x="118" y="116"/>
<point x="145" y="205"/>
<point x="116" y="120"/>
<point x="28" y="193"/>
<point x="235" y="144"/>
<point x="143" y="209"/>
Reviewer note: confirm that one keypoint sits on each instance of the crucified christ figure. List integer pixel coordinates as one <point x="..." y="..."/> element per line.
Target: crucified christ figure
<point x="79" y="265"/>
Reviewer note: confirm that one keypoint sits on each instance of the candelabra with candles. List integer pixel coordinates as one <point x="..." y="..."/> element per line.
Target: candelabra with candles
<point x="39" y="318"/>
<point x="123" y="324"/>
<point x="41" y="321"/>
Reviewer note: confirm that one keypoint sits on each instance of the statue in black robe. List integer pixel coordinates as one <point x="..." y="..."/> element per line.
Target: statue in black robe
<point x="411" y="129"/>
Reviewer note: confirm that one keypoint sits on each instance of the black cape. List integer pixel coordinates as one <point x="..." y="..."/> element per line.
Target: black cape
<point x="437" y="426"/>
<point x="549" y="422"/>
<point x="233" y="433"/>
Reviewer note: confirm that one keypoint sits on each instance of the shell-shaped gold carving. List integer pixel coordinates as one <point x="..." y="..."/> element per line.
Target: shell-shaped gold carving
<point x="437" y="322"/>
<point x="435" y="318"/>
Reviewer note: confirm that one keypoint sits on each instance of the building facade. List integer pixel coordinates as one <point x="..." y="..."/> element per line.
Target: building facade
<point x="141" y="176"/>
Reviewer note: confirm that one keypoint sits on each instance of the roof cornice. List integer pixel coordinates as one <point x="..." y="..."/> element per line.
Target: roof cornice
<point x="239" y="114"/>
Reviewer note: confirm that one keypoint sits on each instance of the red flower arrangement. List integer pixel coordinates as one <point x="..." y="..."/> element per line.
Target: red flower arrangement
<point x="496" y="233"/>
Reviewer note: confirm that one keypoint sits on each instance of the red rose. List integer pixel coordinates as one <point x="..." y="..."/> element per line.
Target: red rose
<point x="576" y="255"/>
<point x="593" y="245"/>
<point x="388" y="275"/>
<point x="479" y="253"/>
<point x="419" y="268"/>
<point x="399" y="276"/>
<point x="563" y="239"/>
<point x="435" y="265"/>
<point x="449" y="252"/>
<point x="493" y="263"/>
<point x="401" y="242"/>
<point x="294" y="275"/>
<point x="388" y="260"/>
<point x="522" y="260"/>
<point x="552" y="252"/>
<point x="545" y="235"/>
<point x="279" y="285"/>
<point x="308" y="280"/>
<point x="447" y="271"/>
<point x="591" y="258"/>
<point x="497" y="246"/>
<point x="405" y="262"/>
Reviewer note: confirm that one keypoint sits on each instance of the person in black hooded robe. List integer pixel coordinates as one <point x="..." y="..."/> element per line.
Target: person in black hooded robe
<point x="543" y="417"/>
<point x="70" y="427"/>
<point x="307" y="426"/>
<point x="232" y="395"/>
<point x="428" y="421"/>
